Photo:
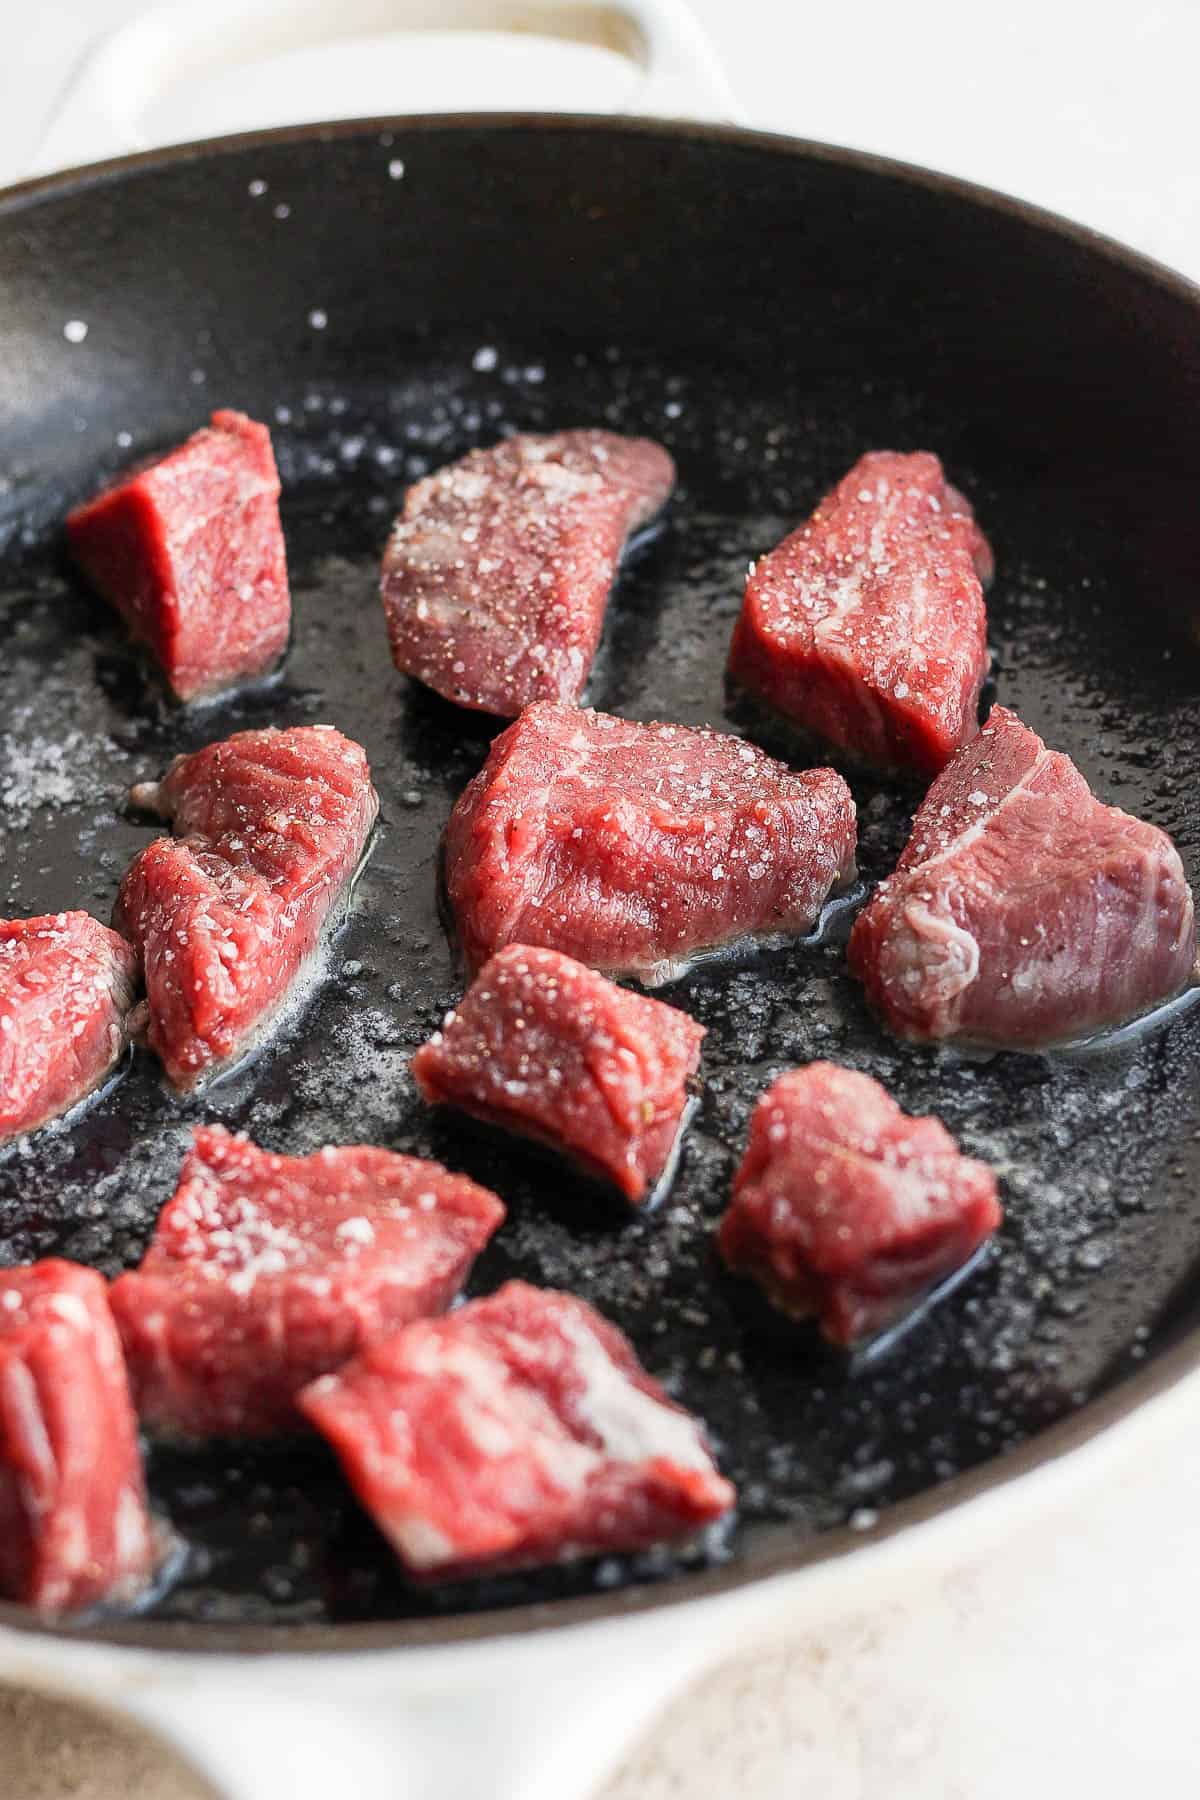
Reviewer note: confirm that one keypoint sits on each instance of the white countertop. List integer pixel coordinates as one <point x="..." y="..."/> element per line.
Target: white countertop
<point x="1068" y="1666"/>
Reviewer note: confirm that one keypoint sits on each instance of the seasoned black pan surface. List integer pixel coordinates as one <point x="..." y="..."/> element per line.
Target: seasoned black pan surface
<point x="388" y="296"/>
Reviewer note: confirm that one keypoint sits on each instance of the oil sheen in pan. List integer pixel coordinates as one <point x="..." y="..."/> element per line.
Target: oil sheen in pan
<point x="1100" y="1223"/>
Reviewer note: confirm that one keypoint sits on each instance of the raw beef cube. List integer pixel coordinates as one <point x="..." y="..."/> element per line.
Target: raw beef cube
<point x="498" y="571"/>
<point x="638" y="847"/>
<point x="866" y="627"/>
<point x="66" y="989"/>
<point x="546" y="1047"/>
<point x="267" y="1271"/>
<point x="848" y="1209"/>
<point x="1023" y="911"/>
<point x="74" y="1529"/>
<point x="273" y="826"/>
<point x="189" y="550"/>
<point x="519" y="1430"/>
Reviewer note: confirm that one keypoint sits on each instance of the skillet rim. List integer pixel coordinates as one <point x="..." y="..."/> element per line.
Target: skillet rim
<point x="778" y="1557"/>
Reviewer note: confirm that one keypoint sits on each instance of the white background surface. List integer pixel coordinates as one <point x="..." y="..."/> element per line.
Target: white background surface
<point x="1087" y="108"/>
<point x="1069" y="1666"/>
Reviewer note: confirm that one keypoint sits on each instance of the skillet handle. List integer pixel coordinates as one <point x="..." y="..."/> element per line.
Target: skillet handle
<point x="519" y="1720"/>
<point x="103" y="109"/>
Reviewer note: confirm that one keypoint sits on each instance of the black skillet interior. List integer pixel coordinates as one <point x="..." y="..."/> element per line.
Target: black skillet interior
<point x="388" y="298"/>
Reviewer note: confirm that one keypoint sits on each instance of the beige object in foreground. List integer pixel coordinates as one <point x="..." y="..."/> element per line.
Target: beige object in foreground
<point x="56" y="1750"/>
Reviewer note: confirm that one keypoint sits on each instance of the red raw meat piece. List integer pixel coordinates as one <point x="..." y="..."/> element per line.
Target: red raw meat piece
<point x="498" y="571"/>
<point x="189" y="550"/>
<point x="545" y="1047"/>
<point x="1023" y="910"/>
<point x="847" y="1208"/>
<point x="637" y="847"/>
<point x="866" y="627"/>
<point x="66" y="988"/>
<point x="74" y="1529"/>
<point x="267" y="1271"/>
<point x="273" y="825"/>
<point x="519" y="1430"/>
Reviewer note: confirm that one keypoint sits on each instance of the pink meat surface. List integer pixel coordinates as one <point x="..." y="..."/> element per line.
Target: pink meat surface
<point x="74" y="1529"/>
<point x="189" y="550"/>
<point x="847" y="1209"/>
<point x="519" y="1430"/>
<point x="66" y="989"/>
<point x="497" y="573"/>
<point x="638" y="847"/>
<point x="267" y="1271"/>
<point x="545" y="1047"/>
<point x="866" y="627"/>
<point x="1023" y="911"/>
<point x="272" y="826"/>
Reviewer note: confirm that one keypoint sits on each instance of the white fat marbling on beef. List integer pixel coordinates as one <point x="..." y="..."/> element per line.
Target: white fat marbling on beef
<point x="419" y="1542"/>
<point x="1023" y="910"/>
<point x="632" y="1425"/>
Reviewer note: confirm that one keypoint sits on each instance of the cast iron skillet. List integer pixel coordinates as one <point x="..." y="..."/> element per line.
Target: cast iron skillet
<point x="387" y="295"/>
